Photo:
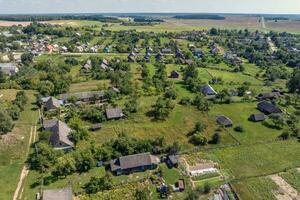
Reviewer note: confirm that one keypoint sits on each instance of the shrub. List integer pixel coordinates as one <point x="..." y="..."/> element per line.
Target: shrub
<point x="239" y="129"/>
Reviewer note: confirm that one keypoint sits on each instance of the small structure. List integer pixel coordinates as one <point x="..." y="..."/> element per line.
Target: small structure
<point x="172" y="161"/>
<point x="166" y="51"/>
<point x="60" y="134"/>
<point x="198" y="53"/>
<point x="49" y="48"/>
<point x="133" y="163"/>
<point x="158" y="57"/>
<point x="179" y="186"/>
<point x="96" y="127"/>
<point x="104" y="64"/>
<point x="257" y="117"/>
<point x="208" y="91"/>
<point x="179" y="54"/>
<point x="202" y="168"/>
<point x="224" y="121"/>
<point x="57" y="194"/>
<point x="268" y="108"/>
<point x="268" y="96"/>
<point x="9" y="69"/>
<point x="147" y="57"/>
<point x="114" y="113"/>
<point x="132" y="57"/>
<point x="88" y="65"/>
<point x="85" y="97"/>
<point x="174" y="74"/>
<point x="52" y="104"/>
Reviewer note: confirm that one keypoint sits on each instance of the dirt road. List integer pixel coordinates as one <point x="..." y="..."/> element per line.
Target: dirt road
<point x="286" y="191"/>
<point x="25" y="169"/>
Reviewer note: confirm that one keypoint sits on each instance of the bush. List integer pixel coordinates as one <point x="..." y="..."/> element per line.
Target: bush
<point x="284" y="136"/>
<point x="239" y="129"/>
<point x="198" y="139"/>
<point x="185" y="101"/>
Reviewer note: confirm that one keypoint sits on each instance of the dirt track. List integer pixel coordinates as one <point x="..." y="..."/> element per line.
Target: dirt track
<point x="286" y="191"/>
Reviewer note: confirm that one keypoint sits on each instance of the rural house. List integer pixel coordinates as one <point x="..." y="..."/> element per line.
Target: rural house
<point x="114" y="113"/>
<point x="202" y="168"/>
<point x="133" y="163"/>
<point x="52" y="103"/>
<point x="60" y="134"/>
<point x="104" y="64"/>
<point x="208" y="91"/>
<point x="174" y="74"/>
<point x="83" y="97"/>
<point x="268" y="108"/>
<point x="257" y="117"/>
<point x="88" y="65"/>
<point x="224" y="121"/>
<point x="57" y="194"/>
<point x="172" y="161"/>
<point x="132" y="57"/>
<point x="268" y="96"/>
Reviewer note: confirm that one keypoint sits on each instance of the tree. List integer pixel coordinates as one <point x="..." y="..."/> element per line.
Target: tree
<point x="65" y="165"/>
<point x="277" y="121"/>
<point x="201" y="103"/>
<point x="6" y="123"/>
<point x="199" y="127"/>
<point x="131" y="106"/>
<point x="46" y="88"/>
<point x="27" y="58"/>
<point x="3" y="77"/>
<point x="215" y="138"/>
<point x="84" y="161"/>
<point x="284" y="136"/>
<point x="142" y="194"/>
<point x="198" y="139"/>
<point x="99" y="184"/>
<point x="162" y="108"/>
<point x="239" y="129"/>
<point x="294" y="82"/>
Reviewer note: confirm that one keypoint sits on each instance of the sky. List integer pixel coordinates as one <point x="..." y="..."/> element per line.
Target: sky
<point x="127" y="6"/>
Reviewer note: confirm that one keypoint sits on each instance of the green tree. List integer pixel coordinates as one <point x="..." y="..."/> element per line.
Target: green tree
<point x="162" y="108"/>
<point x="6" y="123"/>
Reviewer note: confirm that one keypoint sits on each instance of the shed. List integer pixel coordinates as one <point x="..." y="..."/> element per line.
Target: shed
<point x="57" y="194"/>
<point x="224" y="121"/>
<point x="114" y="113"/>
<point x="208" y="90"/>
<point x="52" y="103"/>
<point x="174" y="74"/>
<point x="172" y="161"/>
<point x="257" y="117"/>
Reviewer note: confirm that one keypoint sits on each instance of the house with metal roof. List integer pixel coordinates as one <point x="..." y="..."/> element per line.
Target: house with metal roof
<point x="208" y="91"/>
<point x="9" y="68"/>
<point x="114" y="113"/>
<point x="268" y="108"/>
<point x="57" y="194"/>
<point x="224" y="121"/>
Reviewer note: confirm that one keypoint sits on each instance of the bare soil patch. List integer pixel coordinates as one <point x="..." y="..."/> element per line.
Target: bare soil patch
<point x="286" y="191"/>
<point x="10" y="23"/>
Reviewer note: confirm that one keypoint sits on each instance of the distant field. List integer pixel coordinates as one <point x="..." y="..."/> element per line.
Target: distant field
<point x="284" y="26"/>
<point x="9" y="23"/>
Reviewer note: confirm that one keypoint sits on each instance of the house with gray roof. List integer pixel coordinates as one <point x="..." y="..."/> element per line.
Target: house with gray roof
<point x="134" y="163"/>
<point x="114" y="113"/>
<point x="224" y="121"/>
<point x="208" y="91"/>
<point x="52" y="103"/>
<point x="60" y="134"/>
<point x="9" y="68"/>
<point x="57" y="194"/>
<point x="85" y="97"/>
<point x="268" y="108"/>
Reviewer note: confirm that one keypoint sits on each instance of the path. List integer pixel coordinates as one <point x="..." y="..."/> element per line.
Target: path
<point x="286" y="191"/>
<point x="25" y="169"/>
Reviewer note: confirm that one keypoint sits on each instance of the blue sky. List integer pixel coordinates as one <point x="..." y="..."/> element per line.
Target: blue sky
<point x="89" y="6"/>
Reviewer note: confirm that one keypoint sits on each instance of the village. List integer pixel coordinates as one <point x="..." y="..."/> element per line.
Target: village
<point x="136" y="114"/>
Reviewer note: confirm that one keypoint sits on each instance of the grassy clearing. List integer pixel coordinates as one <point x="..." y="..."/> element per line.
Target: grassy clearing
<point x="256" y="188"/>
<point x="171" y="176"/>
<point x="87" y="86"/>
<point x="8" y="95"/>
<point x="292" y="177"/>
<point x="258" y="160"/>
<point x="13" y="148"/>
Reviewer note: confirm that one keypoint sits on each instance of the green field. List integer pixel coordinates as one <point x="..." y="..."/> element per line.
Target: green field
<point x="14" y="147"/>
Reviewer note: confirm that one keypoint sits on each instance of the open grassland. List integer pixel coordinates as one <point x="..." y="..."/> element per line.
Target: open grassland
<point x="13" y="148"/>
<point x="293" y="178"/>
<point x="284" y="26"/>
<point x="88" y="86"/>
<point x="175" y="128"/>
<point x="8" y="95"/>
<point x="256" y="188"/>
<point x="247" y="161"/>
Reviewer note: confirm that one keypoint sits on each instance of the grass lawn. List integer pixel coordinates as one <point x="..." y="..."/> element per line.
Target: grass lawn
<point x="8" y="95"/>
<point x="13" y="148"/>
<point x="171" y="176"/>
<point x="90" y="85"/>
<point x="239" y="114"/>
<point x="255" y="188"/>
<point x="292" y="177"/>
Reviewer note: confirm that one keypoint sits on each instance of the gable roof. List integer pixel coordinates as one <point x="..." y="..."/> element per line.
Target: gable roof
<point x="52" y="103"/>
<point x="268" y="108"/>
<point x="270" y="95"/>
<point x="207" y="90"/>
<point x="133" y="161"/>
<point x="82" y="95"/>
<point x="257" y="117"/>
<point x="114" y="113"/>
<point x="9" y="68"/>
<point x="60" y="133"/>
<point x="223" y="120"/>
<point x="58" y="194"/>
